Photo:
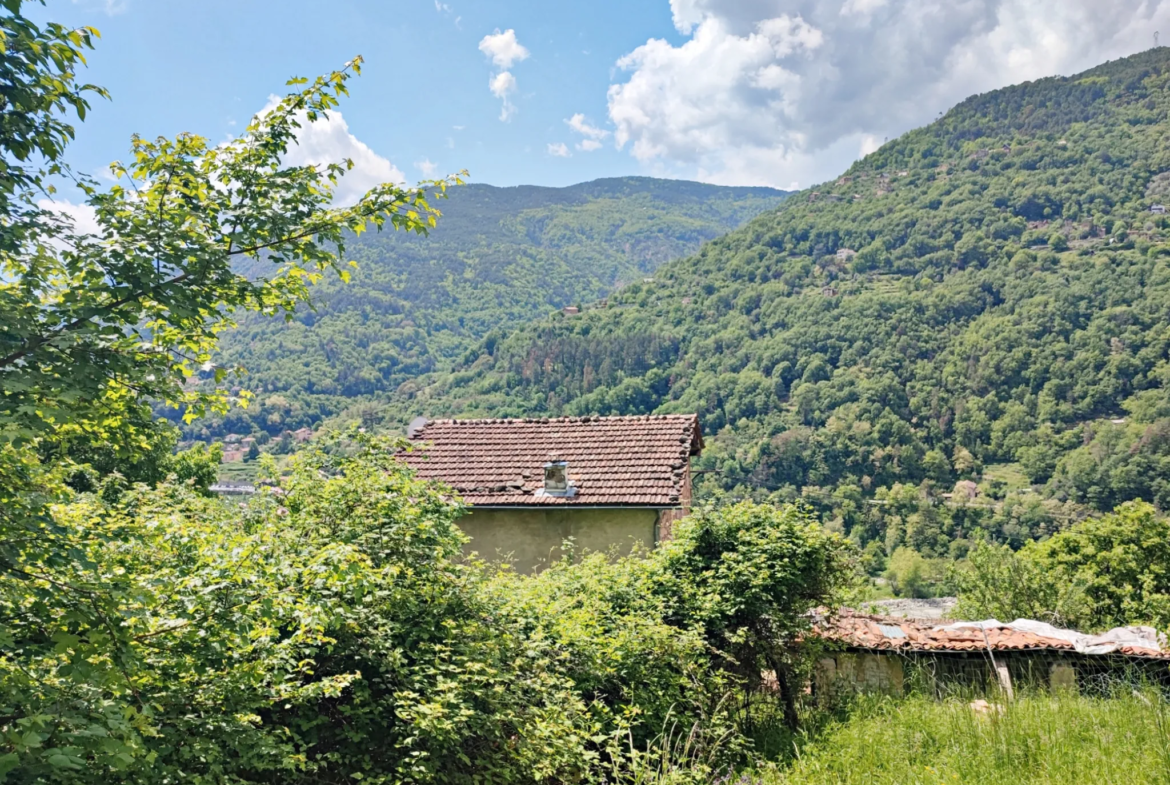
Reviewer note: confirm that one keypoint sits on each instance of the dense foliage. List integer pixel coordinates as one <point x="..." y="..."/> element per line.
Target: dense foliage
<point x="327" y="629"/>
<point x="1102" y="572"/>
<point x="963" y="336"/>
<point x="500" y="257"/>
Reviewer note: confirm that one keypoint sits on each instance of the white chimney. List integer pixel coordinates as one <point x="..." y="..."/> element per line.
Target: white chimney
<point x="556" y="477"/>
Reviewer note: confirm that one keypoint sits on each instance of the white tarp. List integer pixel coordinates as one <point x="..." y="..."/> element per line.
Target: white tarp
<point x="1105" y="643"/>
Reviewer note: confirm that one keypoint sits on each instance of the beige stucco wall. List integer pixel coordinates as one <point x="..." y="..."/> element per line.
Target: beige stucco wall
<point x="531" y="539"/>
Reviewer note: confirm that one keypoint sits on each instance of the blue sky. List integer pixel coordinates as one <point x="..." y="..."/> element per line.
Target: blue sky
<point x="207" y="66"/>
<point x="777" y="92"/>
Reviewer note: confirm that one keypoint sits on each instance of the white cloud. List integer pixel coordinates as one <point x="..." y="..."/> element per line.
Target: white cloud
<point x="426" y="166"/>
<point x="503" y="48"/>
<point x="83" y="216"/>
<point x="329" y="141"/>
<point x="869" y="144"/>
<point x="861" y="7"/>
<point x="504" y="51"/>
<point x="579" y="124"/>
<point x="502" y="85"/>
<point x="560" y="150"/>
<point x="593" y="135"/>
<point x="445" y="10"/>
<point x="771" y="92"/>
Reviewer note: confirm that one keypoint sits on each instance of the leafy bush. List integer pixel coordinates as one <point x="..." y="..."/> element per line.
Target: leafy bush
<point x="910" y="574"/>
<point x="1099" y="573"/>
<point x="329" y="628"/>
<point x="998" y="583"/>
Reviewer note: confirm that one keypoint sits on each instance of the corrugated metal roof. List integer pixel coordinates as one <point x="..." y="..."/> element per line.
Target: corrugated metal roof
<point x="612" y="461"/>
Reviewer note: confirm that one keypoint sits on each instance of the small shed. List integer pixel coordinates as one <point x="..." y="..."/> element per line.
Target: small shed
<point x="884" y="654"/>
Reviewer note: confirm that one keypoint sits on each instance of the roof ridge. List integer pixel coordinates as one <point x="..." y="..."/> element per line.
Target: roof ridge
<point x="587" y="418"/>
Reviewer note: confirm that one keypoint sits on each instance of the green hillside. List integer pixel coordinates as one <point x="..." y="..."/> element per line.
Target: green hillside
<point x="500" y="256"/>
<point x="986" y="299"/>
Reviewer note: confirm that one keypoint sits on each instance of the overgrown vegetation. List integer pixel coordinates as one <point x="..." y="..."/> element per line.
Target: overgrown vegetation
<point x="1104" y="572"/>
<point x="1038" y="739"/>
<point x="328" y="629"/>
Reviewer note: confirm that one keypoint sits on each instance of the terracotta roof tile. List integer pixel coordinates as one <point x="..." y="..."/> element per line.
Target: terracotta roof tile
<point x="913" y="635"/>
<point x="623" y="461"/>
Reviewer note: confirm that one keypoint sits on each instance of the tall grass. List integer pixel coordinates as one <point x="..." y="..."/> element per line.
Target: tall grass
<point x="1042" y="738"/>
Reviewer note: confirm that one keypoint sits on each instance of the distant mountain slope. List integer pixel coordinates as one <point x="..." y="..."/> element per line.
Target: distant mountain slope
<point x="983" y="299"/>
<point x="500" y="256"/>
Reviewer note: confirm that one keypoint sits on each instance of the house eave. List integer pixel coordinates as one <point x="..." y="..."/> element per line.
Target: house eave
<point x="576" y="507"/>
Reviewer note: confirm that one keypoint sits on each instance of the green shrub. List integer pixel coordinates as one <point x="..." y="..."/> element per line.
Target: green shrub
<point x="910" y="574"/>
<point x="1102" y="572"/>
<point x="330" y="630"/>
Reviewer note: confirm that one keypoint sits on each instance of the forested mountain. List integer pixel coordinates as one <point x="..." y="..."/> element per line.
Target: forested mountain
<point x="499" y="256"/>
<point x="966" y="331"/>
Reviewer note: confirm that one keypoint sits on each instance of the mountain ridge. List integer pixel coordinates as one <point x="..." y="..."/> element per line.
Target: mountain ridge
<point x="499" y="256"/>
<point x="978" y="301"/>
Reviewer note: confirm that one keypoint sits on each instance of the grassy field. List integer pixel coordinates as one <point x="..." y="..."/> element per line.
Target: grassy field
<point x="1037" y="739"/>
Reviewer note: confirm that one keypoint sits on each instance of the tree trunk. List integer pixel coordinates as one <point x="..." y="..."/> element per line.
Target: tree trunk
<point x="784" y="684"/>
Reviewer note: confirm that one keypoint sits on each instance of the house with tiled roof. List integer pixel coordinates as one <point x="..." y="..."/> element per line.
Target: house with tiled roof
<point x="607" y="483"/>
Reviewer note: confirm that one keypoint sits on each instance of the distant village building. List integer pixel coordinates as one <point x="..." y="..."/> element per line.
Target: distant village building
<point x="845" y="254"/>
<point x="829" y="291"/>
<point x="234" y="455"/>
<point x="232" y="438"/>
<point x="224" y="488"/>
<point x="1158" y="209"/>
<point x="965" y="491"/>
<point x="302" y="435"/>
<point x="605" y="482"/>
<point x="570" y="310"/>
